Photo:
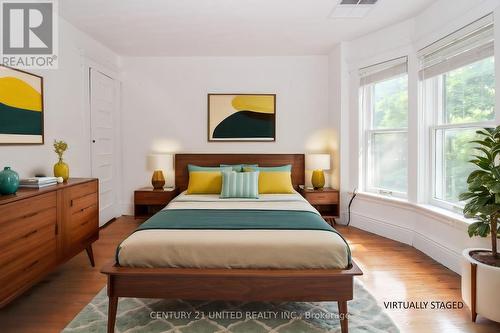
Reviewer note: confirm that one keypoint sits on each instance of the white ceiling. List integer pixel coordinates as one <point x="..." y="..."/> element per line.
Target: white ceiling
<point x="227" y="27"/>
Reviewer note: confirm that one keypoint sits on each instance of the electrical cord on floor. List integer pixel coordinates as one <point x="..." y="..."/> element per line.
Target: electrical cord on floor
<point x="354" y="192"/>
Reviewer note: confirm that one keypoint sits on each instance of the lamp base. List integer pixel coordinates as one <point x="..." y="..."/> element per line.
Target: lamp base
<point x="158" y="180"/>
<point x="318" y="179"/>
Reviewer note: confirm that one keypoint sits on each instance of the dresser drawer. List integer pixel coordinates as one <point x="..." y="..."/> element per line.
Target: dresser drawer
<point x="28" y="208"/>
<point x="26" y="271"/>
<point x="81" y="204"/>
<point x="326" y="198"/>
<point x="79" y="217"/>
<point x="28" y="242"/>
<point x="77" y="192"/>
<point x="26" y="268"/>
<point x="83" y="223"/>
<point x="84" y="231"/>
<point x="17" y="231"/>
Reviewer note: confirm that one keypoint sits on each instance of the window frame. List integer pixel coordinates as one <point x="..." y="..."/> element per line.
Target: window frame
<point x="433" y="96"/>
<point x="367" y="108"/>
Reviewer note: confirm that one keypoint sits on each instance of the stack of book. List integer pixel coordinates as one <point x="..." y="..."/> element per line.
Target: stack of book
<point x="37" y="182"/>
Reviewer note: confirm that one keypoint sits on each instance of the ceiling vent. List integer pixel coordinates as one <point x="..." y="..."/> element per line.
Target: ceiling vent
<point x="352" y="8"/>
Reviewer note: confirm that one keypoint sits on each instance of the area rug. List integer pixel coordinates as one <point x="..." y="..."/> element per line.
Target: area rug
<point x="179" y="316"/>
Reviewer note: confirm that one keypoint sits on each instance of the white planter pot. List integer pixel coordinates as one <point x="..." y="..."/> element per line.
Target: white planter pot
<point x="487" y="291"/>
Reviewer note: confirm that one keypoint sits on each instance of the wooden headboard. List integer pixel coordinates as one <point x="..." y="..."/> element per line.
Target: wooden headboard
<point x="182" y="160"/>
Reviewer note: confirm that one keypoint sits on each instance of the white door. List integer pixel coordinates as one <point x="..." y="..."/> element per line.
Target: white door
<point x="103" y="105"/>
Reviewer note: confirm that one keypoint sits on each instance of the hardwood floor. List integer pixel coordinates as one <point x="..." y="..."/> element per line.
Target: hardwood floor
<point x="393" y="272"/>
<point x="397" y="272"/>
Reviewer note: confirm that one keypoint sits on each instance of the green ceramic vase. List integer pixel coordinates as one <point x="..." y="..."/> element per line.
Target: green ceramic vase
<point x="9" y="181"/>
<point x="61" y="169"/>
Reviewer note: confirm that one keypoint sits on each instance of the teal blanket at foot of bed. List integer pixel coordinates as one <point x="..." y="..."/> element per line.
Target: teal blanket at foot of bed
<point x="236" y="219"/>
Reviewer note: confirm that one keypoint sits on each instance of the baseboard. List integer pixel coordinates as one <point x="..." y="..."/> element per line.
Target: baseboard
<point x="382" y="228"/>
<point x="438" y="252"/>
<point x="442" y="254"/>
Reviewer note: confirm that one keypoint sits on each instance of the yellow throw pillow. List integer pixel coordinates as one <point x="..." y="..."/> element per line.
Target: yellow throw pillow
<point x="204" y="182"/>
<point x="275" y="182"/>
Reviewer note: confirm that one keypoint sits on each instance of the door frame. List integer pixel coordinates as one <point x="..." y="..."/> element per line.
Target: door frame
<point x="88" y="64"/>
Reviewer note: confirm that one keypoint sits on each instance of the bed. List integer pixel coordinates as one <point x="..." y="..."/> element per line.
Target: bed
<point x="276" y="247"/>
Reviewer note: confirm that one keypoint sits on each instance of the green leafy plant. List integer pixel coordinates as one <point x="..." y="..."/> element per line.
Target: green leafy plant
<point x="483" y="193"/>
<point x="60" y="147"/>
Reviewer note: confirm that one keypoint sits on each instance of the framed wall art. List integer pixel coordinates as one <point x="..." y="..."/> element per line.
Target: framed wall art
<point x="21" y="107"/>
<point x="241" y="117"/>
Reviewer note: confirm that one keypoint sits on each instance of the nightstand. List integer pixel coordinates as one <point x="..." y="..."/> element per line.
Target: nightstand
<point x="148" y="201"/>
<point x="326" y="201"/>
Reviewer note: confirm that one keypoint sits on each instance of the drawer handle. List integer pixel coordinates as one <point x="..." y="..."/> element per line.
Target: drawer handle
<point x="30" y="215"/>
<point x="30" y="233"/>
<point x="84" y="209"/>
<point x="84" y="223"/>
<point x="31" y="265"/>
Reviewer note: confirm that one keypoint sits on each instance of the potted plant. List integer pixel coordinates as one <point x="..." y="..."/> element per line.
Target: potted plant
<point x="481" y="267"/>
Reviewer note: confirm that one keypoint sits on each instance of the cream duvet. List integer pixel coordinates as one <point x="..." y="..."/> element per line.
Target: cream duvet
<point x="276" y="231"/>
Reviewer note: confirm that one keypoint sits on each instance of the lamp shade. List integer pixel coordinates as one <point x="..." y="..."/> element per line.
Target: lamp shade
<point x="318" y="162"/>
<point x="162" y="162"/>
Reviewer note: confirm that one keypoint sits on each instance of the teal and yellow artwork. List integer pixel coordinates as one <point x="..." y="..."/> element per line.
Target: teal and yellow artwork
<point x="241" y="117"/>
<point x="21" y="107"/>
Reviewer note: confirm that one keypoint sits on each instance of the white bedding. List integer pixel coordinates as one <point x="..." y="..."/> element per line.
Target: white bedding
<point x="277" y="249"/>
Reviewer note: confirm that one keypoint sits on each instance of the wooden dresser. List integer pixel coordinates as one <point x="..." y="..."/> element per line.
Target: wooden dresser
<point x="40" y="229"/>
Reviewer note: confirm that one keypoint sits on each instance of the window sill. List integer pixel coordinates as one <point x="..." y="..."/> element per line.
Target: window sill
<point x="440" y="214"/>
<point x="393" y="201"/>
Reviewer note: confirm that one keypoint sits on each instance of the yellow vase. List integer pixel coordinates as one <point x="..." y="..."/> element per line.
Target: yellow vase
<point x="318" y="179"/>
<point x="61" y="169"/>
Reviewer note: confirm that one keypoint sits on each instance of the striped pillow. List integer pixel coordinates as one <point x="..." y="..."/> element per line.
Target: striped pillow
<point x="240" y="185"/>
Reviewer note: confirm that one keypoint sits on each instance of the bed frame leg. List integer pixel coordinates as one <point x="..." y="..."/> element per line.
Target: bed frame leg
<point x="343" y="316"/>
<point x="113" y="305"/>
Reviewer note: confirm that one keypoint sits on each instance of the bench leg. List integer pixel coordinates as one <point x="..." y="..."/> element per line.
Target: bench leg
<point x="113" y="305"/>
<point x="90" y="254"/>
<point x="343" y="316"/>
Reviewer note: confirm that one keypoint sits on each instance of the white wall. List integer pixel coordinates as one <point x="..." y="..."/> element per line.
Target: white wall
<point x="165" y="106"/>
<point x="65" y="115"/>
<point x="438" y="234"/>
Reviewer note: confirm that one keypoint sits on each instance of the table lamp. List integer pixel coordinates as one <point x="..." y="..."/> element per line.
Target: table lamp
<point x="159" y="163"/>
<point x="317" y="163"/>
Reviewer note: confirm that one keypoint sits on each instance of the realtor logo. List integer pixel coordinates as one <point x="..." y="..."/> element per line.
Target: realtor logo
<point x="29" y="36"/>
